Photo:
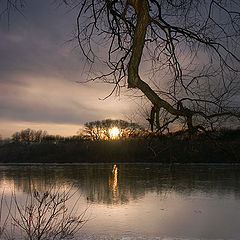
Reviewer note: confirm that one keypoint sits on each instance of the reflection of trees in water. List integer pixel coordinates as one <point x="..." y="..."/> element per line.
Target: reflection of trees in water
<point x="25" y="179"/>
<point x="118" y="184"/>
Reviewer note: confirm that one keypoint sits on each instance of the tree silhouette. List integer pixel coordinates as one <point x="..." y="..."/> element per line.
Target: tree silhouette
<point x="182" y="55"/>
<point x="29" y="136"/>
<point x="100" y="130"/>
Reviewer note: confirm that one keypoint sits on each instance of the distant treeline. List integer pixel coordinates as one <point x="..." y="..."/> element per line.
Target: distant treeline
<point x="222" y="146"/>
<point x="95" y="130"/>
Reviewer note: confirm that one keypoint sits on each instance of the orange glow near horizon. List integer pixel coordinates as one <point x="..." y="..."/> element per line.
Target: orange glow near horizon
<point x="114" y="132"/>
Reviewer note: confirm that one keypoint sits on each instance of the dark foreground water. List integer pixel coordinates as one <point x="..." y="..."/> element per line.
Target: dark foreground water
<point x="141" y="201"/>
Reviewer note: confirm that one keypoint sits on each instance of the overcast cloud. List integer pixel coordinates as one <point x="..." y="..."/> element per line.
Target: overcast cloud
<point x="38" y="74"/>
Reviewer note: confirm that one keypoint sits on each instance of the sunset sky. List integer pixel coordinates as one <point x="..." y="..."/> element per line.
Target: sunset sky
<point x="39" y="68"/>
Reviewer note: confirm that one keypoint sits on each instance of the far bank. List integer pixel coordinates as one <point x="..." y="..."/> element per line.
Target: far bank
<point x="164" y="150"/>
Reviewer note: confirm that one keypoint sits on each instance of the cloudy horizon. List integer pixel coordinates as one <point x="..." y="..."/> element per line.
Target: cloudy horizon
<point x="39" y="68"/>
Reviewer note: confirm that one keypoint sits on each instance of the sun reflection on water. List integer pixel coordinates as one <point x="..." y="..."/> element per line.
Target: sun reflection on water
<point x="115" y="177"/>
<point x="113" y="181"/>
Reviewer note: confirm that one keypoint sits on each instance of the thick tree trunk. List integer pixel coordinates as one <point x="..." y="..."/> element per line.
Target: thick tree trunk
<point x="134" y="80"/>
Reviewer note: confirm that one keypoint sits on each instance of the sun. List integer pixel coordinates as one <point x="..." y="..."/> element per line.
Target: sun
<point x="114" y="132"/>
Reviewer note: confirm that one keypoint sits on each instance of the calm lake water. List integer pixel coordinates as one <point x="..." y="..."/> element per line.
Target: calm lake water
<point x="141" y="201"/>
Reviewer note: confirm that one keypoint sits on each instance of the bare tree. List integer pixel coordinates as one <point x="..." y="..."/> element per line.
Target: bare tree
<point x="29" y="136"/>
<point x="182" y="55"/>
<point x="46" y="215"/>
<point x="101" y="130"/>
<point x="3" y="220"/>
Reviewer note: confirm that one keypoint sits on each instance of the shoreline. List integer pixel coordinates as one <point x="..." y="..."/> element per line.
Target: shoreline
<point x="197" y="152"/>
<point x="119" y="163"/>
